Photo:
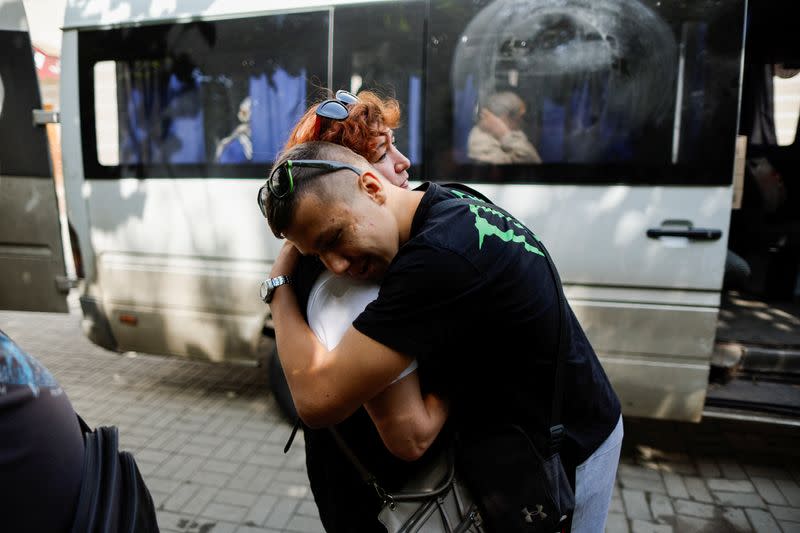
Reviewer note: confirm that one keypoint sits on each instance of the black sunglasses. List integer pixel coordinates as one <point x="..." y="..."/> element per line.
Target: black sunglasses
<point x="336" y="108"/>
<point x="281" y="182"/>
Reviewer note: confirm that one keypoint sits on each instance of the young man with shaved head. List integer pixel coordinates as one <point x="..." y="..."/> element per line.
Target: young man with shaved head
<point x="465" y="289"/>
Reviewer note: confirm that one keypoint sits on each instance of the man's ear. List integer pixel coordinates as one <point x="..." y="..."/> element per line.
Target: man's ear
<point x="373" y="185"/>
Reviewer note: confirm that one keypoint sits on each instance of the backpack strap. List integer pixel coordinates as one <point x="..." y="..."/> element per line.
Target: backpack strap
<point x="465" y="191"/>
<point x="556" y="428"/>
<point x="113" y="496"/>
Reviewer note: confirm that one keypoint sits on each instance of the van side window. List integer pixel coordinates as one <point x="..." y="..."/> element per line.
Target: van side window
<point x="786" y="84"/>
<point x="622" y="91"/>
<point x="385" y="55"/>
<point x="23" y="149"/>
<point x="215" y="98"/>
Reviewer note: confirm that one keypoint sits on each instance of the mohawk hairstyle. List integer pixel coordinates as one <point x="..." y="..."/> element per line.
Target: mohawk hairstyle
<point x="280" y="211"/>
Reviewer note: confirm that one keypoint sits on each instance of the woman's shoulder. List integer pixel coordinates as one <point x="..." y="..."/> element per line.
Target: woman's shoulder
<point x="341" y="292"/>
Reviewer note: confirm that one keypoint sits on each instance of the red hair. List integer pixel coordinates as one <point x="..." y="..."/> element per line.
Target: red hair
<point x="358" y="132"/>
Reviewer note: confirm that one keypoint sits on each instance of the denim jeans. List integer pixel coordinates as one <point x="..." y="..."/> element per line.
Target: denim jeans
<point x="594" y="484"/>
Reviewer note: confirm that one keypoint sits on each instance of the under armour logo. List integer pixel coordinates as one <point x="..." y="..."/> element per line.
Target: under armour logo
<point x="530" y="515"/>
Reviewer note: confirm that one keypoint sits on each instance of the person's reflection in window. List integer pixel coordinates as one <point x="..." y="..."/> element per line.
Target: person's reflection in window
<point x="497" y="137"/>
<point x="238" y="146"/>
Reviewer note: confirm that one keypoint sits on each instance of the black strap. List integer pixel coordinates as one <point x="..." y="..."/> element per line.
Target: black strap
<point x="556" y="428"/>
<point x="365" y="474"/>
<point x="113" y="496"/>
<point x="459" y="188"/>
<point x="297" y="424"/>
<point x="362" y="470"/>
<point x="405" y="495"/>
<point x="83" y="425"/>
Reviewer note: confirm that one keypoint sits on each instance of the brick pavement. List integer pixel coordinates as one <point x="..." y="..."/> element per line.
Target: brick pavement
<point x="209" y="441"/>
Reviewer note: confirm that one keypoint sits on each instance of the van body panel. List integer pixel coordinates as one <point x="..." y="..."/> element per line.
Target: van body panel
<point x="185" y="259"/>
<point x="31" y="253"/>
<point x="598" y="235"/>
<point x="32" y="267"/>
<point x="74" y="181"/>
<point x="658" y="387"/>
<point x="211" y="336"/>
<point x="649" y="329"/>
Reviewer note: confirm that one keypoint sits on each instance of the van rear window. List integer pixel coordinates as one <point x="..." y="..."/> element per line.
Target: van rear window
<point x="210" y="98"/>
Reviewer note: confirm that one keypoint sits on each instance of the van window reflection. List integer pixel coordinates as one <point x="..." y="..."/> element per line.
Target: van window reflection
<point x="590" y="77"/>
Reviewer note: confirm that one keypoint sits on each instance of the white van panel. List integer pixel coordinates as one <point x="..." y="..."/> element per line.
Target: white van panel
<point x="598" y="235"/>
<point x="171" y="244"/>
<point x="180" y="255"/>
<point x="658" y="387"/>
<point x="208" y="218"/>
<point x="72" y="149"/>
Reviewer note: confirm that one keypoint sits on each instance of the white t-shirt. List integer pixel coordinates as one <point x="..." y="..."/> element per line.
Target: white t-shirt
<point x="334" y="302"/>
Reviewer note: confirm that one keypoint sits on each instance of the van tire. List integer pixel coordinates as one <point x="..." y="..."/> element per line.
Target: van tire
<point x="279" y="387"/>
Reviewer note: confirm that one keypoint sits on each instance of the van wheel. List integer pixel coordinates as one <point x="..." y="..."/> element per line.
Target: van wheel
<point x="280" y="389"/>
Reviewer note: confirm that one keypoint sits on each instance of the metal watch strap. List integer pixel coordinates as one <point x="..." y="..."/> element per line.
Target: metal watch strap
<point x="268" y="287"/>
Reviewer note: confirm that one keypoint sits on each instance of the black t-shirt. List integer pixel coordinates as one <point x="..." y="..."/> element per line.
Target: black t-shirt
<point x="41" y="446"/>
<point x="471" y="297"/>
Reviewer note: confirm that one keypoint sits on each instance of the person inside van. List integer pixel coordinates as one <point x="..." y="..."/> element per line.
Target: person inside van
<point x="400" y="420"/>
<point x="497" y="137"/>
<point x="464" y="290"/>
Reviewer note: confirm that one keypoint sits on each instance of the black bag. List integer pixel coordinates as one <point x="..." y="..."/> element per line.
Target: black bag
<point x="519" y="486"/>
<point x="113" y="496"/>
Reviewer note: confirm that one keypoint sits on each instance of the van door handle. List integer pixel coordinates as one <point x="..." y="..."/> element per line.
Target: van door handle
<point x="693" y="234"/>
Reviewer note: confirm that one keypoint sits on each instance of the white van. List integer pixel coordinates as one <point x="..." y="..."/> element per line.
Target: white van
<point x="172" y="113"/>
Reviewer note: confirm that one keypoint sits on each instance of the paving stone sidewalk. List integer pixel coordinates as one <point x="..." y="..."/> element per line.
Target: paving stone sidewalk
<point x="209" y="440"/>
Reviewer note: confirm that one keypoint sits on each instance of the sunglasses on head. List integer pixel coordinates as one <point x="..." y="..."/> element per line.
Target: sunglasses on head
<point x="281" y="181"/>
<point x="336" y="108"/>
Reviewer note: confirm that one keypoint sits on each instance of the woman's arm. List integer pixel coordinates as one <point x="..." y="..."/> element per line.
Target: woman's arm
<point x="407" y="421"/>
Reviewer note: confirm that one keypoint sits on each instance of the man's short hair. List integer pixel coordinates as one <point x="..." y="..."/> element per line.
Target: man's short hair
<point x="280" y="211"/>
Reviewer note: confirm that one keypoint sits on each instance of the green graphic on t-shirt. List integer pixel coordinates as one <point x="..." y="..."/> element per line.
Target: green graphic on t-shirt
<point x="486" y="228"/>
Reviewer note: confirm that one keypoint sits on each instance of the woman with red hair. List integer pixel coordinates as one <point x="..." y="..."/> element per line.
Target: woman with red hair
<point x="367" y="129"/>
<point x="400" y="420"/>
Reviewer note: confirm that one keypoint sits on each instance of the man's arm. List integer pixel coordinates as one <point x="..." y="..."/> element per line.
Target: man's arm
<point x="327" y="385"/>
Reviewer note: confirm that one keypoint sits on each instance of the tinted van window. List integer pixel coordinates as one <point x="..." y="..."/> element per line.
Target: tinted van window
<point x="384" y="51"/>
<point x="197" y="99"/>
<point x="23" y="146"/>
<point x="604" y="91"/>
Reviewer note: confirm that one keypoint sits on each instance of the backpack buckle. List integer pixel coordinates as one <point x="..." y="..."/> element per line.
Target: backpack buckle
<point x="556" y="437"/>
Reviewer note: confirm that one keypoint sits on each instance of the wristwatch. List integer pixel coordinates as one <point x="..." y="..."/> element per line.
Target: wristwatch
<point x="268" y="287"/>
